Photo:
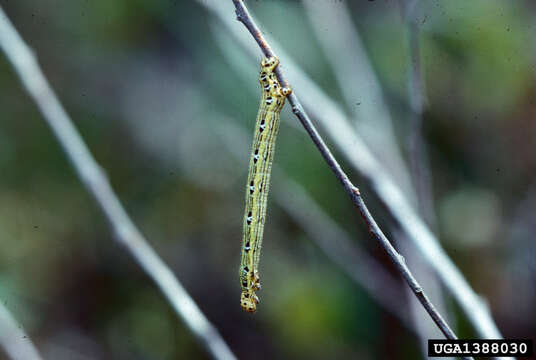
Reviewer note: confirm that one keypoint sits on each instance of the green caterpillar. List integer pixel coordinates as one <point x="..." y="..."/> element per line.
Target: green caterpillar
<point x="260" y="168"/>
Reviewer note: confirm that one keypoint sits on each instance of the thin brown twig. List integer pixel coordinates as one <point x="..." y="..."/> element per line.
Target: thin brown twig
<point x="243" y="16"/>
<point x="382" y="182"/>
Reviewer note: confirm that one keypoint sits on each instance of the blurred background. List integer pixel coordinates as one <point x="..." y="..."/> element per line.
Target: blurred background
<point x="166" y="95"/>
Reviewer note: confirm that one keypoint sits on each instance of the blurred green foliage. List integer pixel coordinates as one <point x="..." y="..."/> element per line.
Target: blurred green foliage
<point x="151" y="90"/>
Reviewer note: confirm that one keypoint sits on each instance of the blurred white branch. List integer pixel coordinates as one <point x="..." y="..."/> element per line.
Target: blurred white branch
<point x="13" y="338"/>
<point x="35" y="83"/>
<point x="360" y="87"/>
<point x="418" y="156"/>
<point x="421" y="177"/>
<point x="337" y="34"/>
<point x="358" y="155"/>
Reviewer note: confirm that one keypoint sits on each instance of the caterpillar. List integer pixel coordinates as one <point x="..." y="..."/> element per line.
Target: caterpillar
<point x="260" y="168"/>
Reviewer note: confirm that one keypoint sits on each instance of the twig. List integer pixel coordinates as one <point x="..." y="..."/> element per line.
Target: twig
<point x="395" y="200"/>
<point x="13" y="338"/>
<point x="97" y="184"/>
<point x="338" y="246"/>
<point x="355" y="77"/>
<point x="362" y="268"/>
<point x="244" y="17"/>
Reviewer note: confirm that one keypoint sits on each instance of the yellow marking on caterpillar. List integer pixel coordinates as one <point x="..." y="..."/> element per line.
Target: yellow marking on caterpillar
<point x="260" y="168"/>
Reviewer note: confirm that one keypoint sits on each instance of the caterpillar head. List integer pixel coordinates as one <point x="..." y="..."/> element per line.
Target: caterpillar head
<point x="249" y="301"/>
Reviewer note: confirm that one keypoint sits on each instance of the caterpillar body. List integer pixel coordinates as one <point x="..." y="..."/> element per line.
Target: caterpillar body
<point x="260" y="167"/>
